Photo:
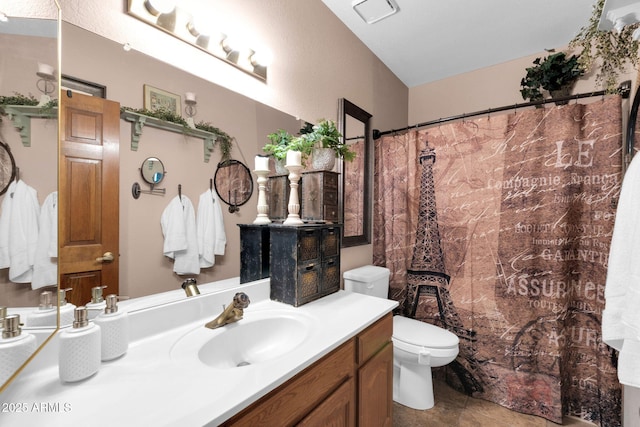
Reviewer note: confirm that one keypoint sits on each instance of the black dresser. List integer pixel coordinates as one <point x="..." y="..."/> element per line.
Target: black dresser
<point x="303" y="261"/>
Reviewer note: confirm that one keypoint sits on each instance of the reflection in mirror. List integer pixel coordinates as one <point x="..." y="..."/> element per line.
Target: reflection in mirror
<point x="234" y="184"/>
<point x="152" y="171"/>
<point x="7" y="167"/>
<point x="356" y="188"/>
<point x="143" y="269"/>
<point x="31" y="135"/>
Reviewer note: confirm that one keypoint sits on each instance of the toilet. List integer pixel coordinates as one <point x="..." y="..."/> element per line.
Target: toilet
<point x="417" y="346"/>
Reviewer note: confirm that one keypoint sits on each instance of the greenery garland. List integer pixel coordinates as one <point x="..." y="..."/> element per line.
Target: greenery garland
<point x="223" y="139"/>
<point x="31" y="101"/>
<point x="615" y="50"/>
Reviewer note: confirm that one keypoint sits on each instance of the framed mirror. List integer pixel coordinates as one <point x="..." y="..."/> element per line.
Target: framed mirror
<point x="356" y="180"/>
<point x="233" y="183"/>
<point x="152" y="171"/>
<point x="7" y="167"/>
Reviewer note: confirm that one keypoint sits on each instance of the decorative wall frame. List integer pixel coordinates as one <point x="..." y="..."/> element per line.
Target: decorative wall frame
<point x="83" y="86"/>
<point x="157" y="99"/>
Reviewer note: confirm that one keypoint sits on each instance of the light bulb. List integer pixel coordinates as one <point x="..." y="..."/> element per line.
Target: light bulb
<point x="262" y="57"/>
<point x="157" y="7"/>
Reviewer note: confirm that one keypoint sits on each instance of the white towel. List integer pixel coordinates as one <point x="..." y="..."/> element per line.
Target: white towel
<point x="23" y="235"/>
<point x="178" y="223"/>
<point x="210" y="228"/>
<point x="45" y="268"/>
<point x="5" y="226"/>
<point x="621" y="316"/>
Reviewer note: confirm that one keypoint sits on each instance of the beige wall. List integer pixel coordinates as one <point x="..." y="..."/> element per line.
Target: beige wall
<point x="482" y="89"/>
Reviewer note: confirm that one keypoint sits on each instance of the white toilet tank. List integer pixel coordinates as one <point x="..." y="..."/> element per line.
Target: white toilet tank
<point x="370" y="280"/>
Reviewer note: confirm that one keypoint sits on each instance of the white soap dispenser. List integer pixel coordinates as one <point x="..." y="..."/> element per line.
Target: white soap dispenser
<point x="46" y="314"/>
<point x="114" y="327"/>
<point x="79" y="353"/>
<point x="97" y="303"/>
<point x="66" y="308"/>
<point x="15" y="347"/>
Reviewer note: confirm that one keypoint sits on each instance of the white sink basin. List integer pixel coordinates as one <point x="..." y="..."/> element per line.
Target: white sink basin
<point x="259" y="337"/>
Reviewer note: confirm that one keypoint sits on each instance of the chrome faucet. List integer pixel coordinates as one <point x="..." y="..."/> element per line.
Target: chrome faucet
<point x="232" y="313"/>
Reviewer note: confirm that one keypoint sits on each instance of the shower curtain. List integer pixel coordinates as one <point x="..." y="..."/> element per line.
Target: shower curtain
<point x="524" y="212"/>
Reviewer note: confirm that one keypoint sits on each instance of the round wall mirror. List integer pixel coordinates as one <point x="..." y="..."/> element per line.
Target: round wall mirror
<point x="152" y="171"/>
<point x="7" y="167"/>
<point x="234" y="184"/>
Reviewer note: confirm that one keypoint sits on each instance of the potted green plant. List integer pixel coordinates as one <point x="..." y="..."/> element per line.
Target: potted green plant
<point x="328" y="145"/>
<point x="282" y="141"/>
<point x="555" y="73"/>
<point x="612" y="50"/>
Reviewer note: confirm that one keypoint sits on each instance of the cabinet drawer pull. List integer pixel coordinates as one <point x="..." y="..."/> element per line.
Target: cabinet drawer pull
<point x="310" y="267"/>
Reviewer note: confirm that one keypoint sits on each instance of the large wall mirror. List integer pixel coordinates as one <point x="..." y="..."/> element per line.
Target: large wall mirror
<point x="356" y="180"/>
<point x="29" y="70"/>
<point x="143" y="269"/>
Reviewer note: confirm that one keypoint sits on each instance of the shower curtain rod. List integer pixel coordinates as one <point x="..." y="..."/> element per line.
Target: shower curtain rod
<point x="624" y="89"/>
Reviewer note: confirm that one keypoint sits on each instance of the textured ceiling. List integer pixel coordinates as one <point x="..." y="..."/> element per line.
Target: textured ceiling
<point x="429" y="40"/>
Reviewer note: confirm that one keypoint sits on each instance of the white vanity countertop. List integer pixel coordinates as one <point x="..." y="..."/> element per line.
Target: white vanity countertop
<point x="150" y="385"/>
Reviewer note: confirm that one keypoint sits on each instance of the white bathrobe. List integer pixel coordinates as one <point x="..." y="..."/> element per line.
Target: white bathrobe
<point x="210" y="228"/>
<point x="5" y="226"/>
<point x="621" y="316"/>
<point x="178" y="223"/>
<point x="24" y="216"/>
<point x="45" y="268"/>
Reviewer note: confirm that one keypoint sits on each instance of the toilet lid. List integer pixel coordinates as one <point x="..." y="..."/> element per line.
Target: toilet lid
<point x="415" y="332"/>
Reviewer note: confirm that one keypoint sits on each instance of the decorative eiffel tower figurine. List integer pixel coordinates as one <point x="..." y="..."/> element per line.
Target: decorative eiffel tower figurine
<point x="427" y="275"/>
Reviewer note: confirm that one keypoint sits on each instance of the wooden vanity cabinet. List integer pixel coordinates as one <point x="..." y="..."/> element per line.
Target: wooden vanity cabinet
<point x="303" y="399"/>
<point x="375" y="374"/>
<point x="351" y="386"/>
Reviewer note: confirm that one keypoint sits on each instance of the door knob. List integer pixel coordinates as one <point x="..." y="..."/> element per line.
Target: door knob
<point x="107" y="257"/>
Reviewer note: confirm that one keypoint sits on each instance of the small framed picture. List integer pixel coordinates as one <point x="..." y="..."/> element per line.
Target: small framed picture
<point x="158" y="99"/>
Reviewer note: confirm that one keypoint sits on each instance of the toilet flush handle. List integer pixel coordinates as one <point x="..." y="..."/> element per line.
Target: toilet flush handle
<point x="424" y="357"/>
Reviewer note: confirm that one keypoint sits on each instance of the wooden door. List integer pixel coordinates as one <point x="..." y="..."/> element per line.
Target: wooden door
<point x="88" y="195"/>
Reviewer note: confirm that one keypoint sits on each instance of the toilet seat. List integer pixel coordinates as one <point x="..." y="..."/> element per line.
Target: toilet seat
<point x="415" y="336"/>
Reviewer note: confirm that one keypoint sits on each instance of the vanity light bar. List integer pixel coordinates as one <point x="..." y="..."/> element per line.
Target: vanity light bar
<point x="182" y="25"/>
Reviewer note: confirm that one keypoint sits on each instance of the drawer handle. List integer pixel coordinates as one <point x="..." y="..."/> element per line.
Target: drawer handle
<point x="310" y="267"/>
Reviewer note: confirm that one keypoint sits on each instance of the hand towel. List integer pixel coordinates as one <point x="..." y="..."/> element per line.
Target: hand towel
<point x="178" y="223"/>
<point x="45" y="267"/>
<point x="210" y="229"/>
<point x="621" y="318"/>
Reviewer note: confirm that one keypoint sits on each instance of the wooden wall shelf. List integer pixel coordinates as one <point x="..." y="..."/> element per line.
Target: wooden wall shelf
<point x="21" y="115"/>
<point x="138" y="121"/>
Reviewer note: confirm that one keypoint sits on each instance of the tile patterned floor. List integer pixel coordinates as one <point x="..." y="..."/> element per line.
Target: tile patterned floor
<point x="454" y="409"/>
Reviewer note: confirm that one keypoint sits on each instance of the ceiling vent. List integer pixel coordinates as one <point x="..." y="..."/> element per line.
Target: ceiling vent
<point x="374" y="10"/>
